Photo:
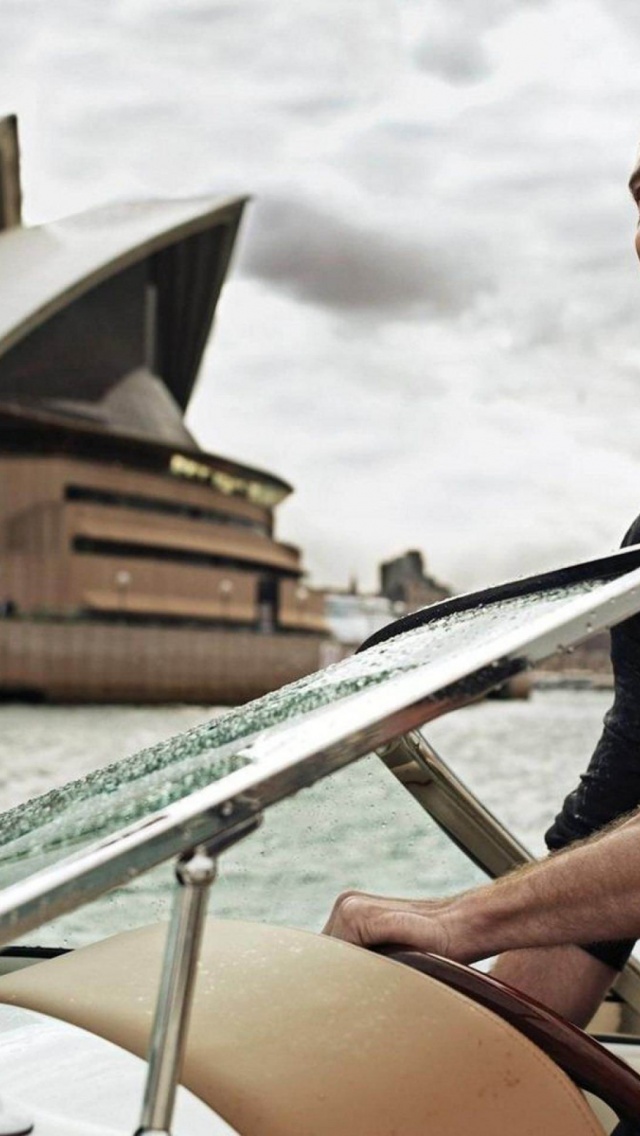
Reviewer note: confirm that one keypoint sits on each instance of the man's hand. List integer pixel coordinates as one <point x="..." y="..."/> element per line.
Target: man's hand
<point x="415" y="924"/>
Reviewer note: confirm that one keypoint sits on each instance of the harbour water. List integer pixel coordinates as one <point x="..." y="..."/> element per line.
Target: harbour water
<point x="359" y="829"/>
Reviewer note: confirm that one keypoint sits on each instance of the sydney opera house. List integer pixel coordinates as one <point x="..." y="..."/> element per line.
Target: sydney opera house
<point x="133" y="564"/>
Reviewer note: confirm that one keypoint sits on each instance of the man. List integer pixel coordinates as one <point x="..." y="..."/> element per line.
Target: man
<point x="580" y="909"/>
<point x="564" y="906"/>
<point x="570" y="980"/>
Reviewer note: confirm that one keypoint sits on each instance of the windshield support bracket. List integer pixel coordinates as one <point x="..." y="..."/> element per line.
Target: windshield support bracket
<point x="195" y="873"/>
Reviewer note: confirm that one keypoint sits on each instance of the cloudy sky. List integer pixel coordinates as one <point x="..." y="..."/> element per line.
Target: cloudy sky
<point x="433" y="323"/>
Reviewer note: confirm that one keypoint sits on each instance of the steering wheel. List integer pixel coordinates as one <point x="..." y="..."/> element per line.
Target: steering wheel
<point x="583" y="1059"/>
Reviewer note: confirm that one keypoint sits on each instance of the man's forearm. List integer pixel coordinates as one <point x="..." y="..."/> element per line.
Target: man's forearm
<point x="591" y="891"/>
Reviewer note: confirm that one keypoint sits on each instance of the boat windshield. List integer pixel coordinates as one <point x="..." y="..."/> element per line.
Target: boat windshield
<point x="446" y="662"/>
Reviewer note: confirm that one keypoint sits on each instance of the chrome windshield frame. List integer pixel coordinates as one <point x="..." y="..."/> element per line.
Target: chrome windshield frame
<point x="286" y="758"/>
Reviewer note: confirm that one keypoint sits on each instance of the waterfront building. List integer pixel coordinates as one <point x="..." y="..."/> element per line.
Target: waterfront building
<point x="133" y="564"/>
<point x="405" y="581"/>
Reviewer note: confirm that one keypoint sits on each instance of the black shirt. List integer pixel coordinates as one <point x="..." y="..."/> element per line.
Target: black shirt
<point x="610" y="787"/>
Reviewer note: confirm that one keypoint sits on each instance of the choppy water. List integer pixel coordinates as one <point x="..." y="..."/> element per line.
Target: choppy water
<point x="357" y="829"/>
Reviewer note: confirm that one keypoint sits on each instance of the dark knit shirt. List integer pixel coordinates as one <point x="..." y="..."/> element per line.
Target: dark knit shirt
<point x="610" y="787"/>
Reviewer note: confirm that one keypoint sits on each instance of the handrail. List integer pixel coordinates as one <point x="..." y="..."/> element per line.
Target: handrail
<point x="288" y="757"/>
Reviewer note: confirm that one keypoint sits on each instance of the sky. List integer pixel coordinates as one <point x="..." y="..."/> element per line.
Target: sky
<point x="432" y="323"/>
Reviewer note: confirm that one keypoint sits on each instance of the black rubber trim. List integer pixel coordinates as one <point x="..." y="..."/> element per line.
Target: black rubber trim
<point x="604" y="568"/>
<point x="34" y="952"/>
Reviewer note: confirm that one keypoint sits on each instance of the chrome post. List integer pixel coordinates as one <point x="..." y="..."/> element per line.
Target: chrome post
<point x="195" y="873"/>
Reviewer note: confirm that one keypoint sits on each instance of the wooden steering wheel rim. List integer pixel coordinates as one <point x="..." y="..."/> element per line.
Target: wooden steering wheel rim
<point x="583" y="1059"/>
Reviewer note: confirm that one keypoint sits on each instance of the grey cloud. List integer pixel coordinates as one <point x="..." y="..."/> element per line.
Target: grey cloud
<point x="452" y="44"/>
<point x="317" y="106"/>
<point x="453" y="55"/>
<point x="348" y="266"/>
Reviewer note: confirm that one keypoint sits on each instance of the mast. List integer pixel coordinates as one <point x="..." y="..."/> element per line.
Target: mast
<point x="10" y="189"/>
